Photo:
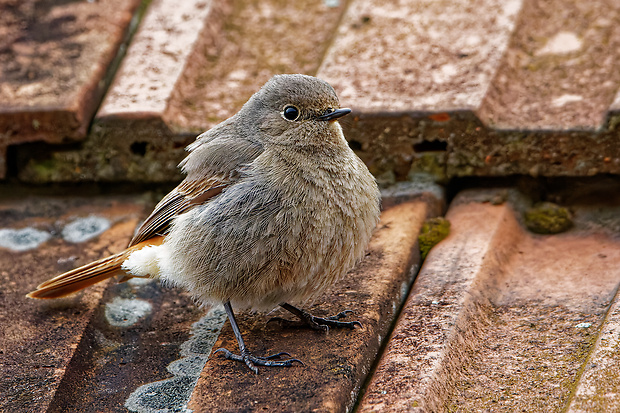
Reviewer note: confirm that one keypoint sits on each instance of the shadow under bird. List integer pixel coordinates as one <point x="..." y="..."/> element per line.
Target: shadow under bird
<point x="274" y="209"/>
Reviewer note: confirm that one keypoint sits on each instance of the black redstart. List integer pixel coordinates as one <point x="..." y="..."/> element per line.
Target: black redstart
<point x="274" y="209"/>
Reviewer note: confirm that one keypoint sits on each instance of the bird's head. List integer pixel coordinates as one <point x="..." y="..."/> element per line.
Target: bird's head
<point x="296" y="110"/>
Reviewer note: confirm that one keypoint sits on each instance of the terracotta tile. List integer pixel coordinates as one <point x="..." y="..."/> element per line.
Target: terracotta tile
<point x="243" y="45"/>
<point x="499" y="318"/>
<point x="90" y="351"/>
<point x="422" y="57"/>
<point x="143" y="346"/>
<point x="485" y="152"/>
<point x="178" y="80"/>
<point x="615" y="105"/>
<point x="558" y="73"/>
<point x="597" y="387"/>
<point x="198" y="73"/>
<point x="40" y="238"/>
<point x="417" y="86"/>
<point x="613" y="116"/>
<point x="55" y="59"/>
<point x="140" y="339"/>
<point x="155" y="59"/>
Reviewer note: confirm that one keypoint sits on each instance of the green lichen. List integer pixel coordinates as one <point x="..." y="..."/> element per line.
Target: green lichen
<point x="614" y="121"/>
<point x="43" y="169"/>
<point x="548" y="218"/>
<point x="46" y="170"/>
<point x="432" y="232"/>
<point x="432" y="163"/>
<point x="341" y="369"/>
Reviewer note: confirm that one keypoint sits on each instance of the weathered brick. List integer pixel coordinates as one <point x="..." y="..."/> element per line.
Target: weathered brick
<point x="500" y="318"/>
<point x="54" y="62"/>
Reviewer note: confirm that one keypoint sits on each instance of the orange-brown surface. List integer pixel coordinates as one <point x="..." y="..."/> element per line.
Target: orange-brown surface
<point x="520" y="93"/>
<point x="506" y="323"/>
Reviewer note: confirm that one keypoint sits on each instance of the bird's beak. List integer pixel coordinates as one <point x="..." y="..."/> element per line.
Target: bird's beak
<point x="338" y="113"/>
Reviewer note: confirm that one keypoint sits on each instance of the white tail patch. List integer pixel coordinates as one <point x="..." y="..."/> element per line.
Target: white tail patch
<point x="144" y="262"/>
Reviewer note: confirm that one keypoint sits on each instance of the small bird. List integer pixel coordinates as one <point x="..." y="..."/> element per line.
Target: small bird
<point x="274" y="209"/>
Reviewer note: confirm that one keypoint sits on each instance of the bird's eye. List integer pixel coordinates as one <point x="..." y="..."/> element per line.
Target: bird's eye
<point x="290" y="113"/>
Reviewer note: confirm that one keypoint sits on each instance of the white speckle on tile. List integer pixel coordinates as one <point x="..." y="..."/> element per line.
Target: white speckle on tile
<point x="584" y="325"/>
<point x="564" y="99"/>
<point x="473" y="40"/>
<point x="238" y="75"/>
<point x="331" y="3"/>
<point x="445" y="73"/>
<point x="123" y="312"/>
<point x="561" y="43"/>
<point x="83" y="229"/>
<point x="172" y="395"/>
<point x="22" y="239"/>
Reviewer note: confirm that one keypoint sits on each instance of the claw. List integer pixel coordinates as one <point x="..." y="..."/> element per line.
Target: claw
<point x="317" y="323"/>
<point x="332" y="322"/>
<point x="253" y="361"/>
<point x="340" y="315"/>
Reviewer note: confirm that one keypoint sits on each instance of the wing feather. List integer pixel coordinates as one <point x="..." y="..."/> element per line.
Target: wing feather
<point x="214" y="162"/>
<point x="188" y="194"/>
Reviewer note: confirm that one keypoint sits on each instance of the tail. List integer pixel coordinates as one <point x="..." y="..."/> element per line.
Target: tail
<point x="89" y="274"/>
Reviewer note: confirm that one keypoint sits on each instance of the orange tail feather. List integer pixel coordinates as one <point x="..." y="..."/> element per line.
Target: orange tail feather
<point x="89" y="274"/>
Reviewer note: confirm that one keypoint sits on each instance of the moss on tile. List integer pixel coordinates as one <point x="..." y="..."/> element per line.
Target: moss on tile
<point x="433" y="231"/>
<point x="548" y="218"/>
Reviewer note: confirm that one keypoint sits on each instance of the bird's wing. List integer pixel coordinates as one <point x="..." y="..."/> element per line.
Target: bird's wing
<point x="181" y="199"/>
<point x="215" y="161"/>
<point x="188" y="194"/>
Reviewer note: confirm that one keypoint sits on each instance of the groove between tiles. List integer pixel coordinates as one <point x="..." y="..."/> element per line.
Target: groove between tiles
<point x="614" y="304"/>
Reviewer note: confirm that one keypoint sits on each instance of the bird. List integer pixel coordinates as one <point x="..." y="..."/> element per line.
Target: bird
<point x="275" y="207"/>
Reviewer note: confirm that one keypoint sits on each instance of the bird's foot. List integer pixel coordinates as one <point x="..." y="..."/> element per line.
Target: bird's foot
<point x="314" y="322"/>
<point x="324" y="323"/>
<point x="253" y="361"/>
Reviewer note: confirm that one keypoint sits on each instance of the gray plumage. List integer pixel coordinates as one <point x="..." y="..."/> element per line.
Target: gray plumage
<point x="296" y="214"/>
<point x="275" y="209"/>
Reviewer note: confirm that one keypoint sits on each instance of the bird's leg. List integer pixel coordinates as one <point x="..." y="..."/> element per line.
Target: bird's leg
<point x="250" y="360"/>
<point x="317" y="323"/>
